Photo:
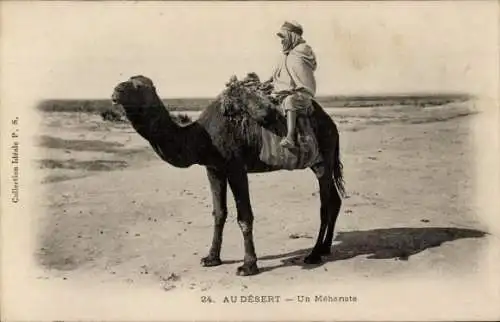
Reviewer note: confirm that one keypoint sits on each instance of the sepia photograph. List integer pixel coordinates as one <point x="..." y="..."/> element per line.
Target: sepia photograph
<point x="257" y="161"/>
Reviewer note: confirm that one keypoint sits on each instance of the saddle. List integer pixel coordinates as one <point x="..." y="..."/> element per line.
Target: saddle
<point x="253" y="99"/>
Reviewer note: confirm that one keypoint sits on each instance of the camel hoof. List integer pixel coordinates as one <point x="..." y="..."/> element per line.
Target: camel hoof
<point x="247" y="270"/>
<point x="312" y="259"/>
<point x="324" y="251"/>
<point x="210" y="261"/>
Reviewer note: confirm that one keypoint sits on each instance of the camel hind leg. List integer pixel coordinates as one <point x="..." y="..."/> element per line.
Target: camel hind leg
<point x="326" y="188"/>
<point x="338" y="190"/>
<point x="335" y="204"/>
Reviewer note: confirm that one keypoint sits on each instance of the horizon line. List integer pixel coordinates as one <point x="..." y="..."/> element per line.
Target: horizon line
<point x="319" y="96"/>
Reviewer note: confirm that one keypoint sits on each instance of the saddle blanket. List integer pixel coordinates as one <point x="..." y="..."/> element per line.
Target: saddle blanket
<point x="303" y="155"/>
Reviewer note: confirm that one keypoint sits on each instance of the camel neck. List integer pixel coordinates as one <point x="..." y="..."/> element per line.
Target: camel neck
<point x="161" y="124"/>
<point x="151" y="122"/>
<point x="173" y="143"/>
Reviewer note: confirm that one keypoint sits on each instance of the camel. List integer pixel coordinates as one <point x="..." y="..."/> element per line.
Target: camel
<point x="228" y="147"/>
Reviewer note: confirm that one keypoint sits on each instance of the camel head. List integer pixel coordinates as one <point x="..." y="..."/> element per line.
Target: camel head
<point x="136" y="94"/>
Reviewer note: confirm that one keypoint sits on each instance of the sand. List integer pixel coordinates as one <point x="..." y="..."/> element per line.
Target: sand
<point x="409" y="176"/>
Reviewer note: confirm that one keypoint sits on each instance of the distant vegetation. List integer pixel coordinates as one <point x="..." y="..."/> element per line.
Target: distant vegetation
<point x="100" y="105"/>
<point x="197" y="104"/>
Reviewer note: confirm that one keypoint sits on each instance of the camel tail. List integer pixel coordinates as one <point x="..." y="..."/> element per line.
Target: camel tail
<point x="338" y="175"/>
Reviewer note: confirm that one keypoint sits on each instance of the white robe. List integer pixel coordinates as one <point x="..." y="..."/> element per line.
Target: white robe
<point x="295" y="72"/>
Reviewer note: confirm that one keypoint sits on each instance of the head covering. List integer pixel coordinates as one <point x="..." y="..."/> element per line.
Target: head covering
<point x="291" y="35"/>
<point x="291" y="26"/>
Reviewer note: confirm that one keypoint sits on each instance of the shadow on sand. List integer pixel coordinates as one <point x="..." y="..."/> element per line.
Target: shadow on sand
<point x="397" y="243"/>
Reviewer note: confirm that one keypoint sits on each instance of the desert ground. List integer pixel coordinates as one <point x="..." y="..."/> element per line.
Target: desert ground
<point x="115" y="213"/>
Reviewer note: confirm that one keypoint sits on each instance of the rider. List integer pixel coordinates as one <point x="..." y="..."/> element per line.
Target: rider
<point x="293" y="79"/>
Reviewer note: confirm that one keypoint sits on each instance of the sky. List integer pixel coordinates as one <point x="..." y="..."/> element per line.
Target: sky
<point x="83" y="49"/>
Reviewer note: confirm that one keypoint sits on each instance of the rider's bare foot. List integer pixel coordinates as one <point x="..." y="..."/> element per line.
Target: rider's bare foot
<point x="287" y="143"/>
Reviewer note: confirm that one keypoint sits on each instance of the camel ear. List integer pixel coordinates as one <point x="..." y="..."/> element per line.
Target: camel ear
<point x="135" y="81"/>
<point x="138" y="81"/>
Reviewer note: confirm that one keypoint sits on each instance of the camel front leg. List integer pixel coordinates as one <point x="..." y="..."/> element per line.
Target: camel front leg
<point x="218" y="187"/>
<point x="238" y="181"/>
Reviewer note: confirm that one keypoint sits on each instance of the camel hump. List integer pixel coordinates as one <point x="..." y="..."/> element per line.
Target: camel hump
<point x="251" y="98"/>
